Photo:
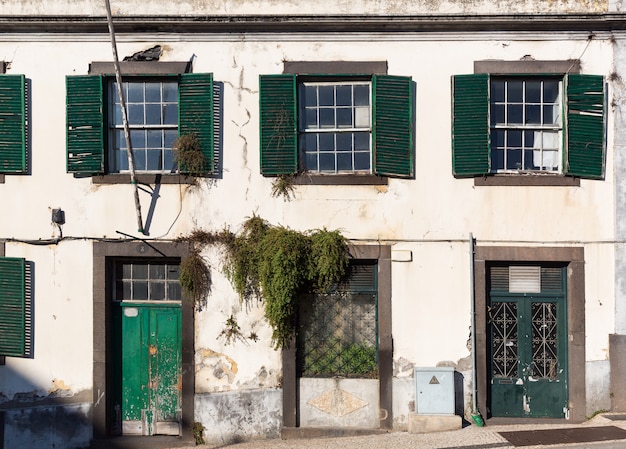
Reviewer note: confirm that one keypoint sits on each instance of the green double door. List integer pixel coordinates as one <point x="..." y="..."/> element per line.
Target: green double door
<point x="528" y="355"/>
<point x="149" y="368"/>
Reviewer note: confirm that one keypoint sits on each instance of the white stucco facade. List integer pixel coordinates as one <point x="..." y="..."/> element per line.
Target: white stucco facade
<point x="425" y="220"/>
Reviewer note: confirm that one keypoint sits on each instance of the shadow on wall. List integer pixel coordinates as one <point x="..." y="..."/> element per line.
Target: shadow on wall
<point x="33" y="417"/>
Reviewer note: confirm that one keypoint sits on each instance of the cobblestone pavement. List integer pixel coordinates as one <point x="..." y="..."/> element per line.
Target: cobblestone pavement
<point x="471" y="437"/>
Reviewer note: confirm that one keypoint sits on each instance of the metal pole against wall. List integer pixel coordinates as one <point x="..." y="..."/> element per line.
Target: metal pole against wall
<point x="475" y="413"/>
<point x="120" y="91"/>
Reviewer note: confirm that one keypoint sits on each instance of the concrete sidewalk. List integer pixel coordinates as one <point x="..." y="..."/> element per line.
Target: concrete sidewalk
<point x="470" y="437"/>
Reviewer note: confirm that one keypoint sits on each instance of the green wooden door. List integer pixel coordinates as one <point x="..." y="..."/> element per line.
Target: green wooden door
<point x="150" y="368"/>
<point x="528" y="354"/>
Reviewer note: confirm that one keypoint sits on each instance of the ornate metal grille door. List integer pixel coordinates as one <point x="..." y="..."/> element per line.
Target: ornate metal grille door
<point x="504" y="339"/>
<point x="544" y="341"/>
<point x="527" y="343"/>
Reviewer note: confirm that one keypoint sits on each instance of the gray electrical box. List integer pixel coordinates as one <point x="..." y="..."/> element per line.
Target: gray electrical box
<point x="434" y="391"/>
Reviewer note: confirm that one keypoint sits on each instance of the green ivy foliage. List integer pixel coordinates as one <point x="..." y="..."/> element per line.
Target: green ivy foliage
<point x="276" y="264"/>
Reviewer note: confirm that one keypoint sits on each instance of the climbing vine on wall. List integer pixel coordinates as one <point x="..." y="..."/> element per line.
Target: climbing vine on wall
<point x="276" y="264"/>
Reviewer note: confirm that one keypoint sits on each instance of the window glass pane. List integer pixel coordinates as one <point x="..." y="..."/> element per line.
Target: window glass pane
<point x="533" y="91"/>
<point x="120" y="138"/>
<point x="170" y="92"/>
<point x="497" y="138"/>
<point x="138" y="138"/>
<point x="127" y="271"/>
<point x="550" y="91"/>
<point x="344" y="161"/>
<point x="344" y="95"/>
<point x="362" y="161"/>
<point x="153" y="114"/>
<point x="515" y="91"/>
<point x="327" y="118"/>
<point x="514" y="113"/>
<point x="153" y="92"/>
<point x="362" y="95"/>
<point x="170" y="136"/>
<point x="362" y="117"/>
<point x="157" y="291"/>
<point x="140" y="159"/>
<point x="140" y="271"/>
<point x="361" y="141"/>
<point x="117" y="115"/>
<point x="344" y="141"/>
<point x="497" y="91"/>
<point x="140" y="290"/>
<point x="326" y="142"/>
<point x="309" y="142"/>
<point x="170" y="114"/>
<point x="126" y="290"/>
<point x="310" y="95"/>
<point x="155" y="138"/>
<point x="533" y="114"/>
<point x="514" y="159"/>
<point x="497" y="159"/>
<point x="311" y="161"/>
<point x="529" y="160"/>
<point x="121" y="159"/>
<point x="135" y="114"/>
<point x="169" y="164"/>
<point x="173" y="291"/>
<point x="310" y="120"/>
<point x="327" y="161"/>
<point x="344" y="118"/>
<point x="173" y="272"/>
<point x="135" y="93"/>
<point x="514" y="138"/>
<point x="153" y="159"/>
<point x="326" y="95"/>
<point x="529" y="139"/>
<point x="497" y="114"/>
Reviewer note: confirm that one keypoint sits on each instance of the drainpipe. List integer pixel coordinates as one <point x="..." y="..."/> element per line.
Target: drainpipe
<point x="120" y="91"/>
<point x="478" y="420"/>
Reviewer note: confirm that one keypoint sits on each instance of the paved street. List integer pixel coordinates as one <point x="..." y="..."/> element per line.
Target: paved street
<point x="471" y="437"/>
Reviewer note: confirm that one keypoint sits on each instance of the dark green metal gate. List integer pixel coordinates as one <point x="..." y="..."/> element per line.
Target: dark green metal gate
<point x="528" y="342"/>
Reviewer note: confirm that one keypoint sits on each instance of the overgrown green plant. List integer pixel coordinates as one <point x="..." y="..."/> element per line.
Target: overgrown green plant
<point x="198" y="432"/>
<point x="278" y="264"/>
<point x="231" y="331"/>
<point x="195" y="278"/>
<point x="283" y="185"/>
<point x="188" y="155"/>
<point x="281" y="263"/>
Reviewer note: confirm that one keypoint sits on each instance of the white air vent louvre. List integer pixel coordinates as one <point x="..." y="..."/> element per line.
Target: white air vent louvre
<point x="525" y="279"/>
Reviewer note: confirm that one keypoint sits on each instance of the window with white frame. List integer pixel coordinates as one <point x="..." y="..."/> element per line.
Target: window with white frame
<point x="152" y="110"/>
<point x="520" y="124"/>
<point x="147" y="281"/>
<point x="160" y="108"/>
<point x="335" y="126"/>
<point x="526" y="124"/>
<point x="325" y="124"/>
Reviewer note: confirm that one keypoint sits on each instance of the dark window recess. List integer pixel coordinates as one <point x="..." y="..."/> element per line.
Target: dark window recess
<point x="337" y="333"/>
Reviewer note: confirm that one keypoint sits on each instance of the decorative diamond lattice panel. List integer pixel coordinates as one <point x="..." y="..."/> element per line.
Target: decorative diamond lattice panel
<point x="544" y="340"/>
<point x="504" y="339"/>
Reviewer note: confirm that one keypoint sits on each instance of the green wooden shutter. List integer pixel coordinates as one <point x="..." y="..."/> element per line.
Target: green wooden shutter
<point x="86" y="124"/>
<point x="195" y="106"/>
<point x="585" y="124"/>
<point x="392" y="125"/>
<point x="470" y="125"/>
<point x="12" y="124"/>
<point x="13" y="320"/>
<point x="279" y="135"/>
